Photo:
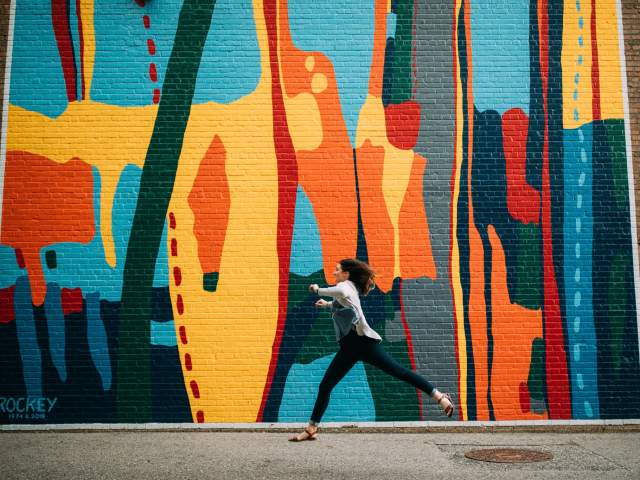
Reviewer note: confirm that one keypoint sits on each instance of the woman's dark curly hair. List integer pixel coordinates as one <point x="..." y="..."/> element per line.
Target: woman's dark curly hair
<point x="360" y="273"/>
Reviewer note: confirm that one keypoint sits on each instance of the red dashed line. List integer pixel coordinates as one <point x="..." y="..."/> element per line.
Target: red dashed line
<point x="183" y="335"/>
<point x="180" y="305"/>
<point x="182" y="331"/>
<point x="151" y="48"/>
<point x="153" y="73"/>
<point x="194" y="388"/>
<point x="177" y="276"/>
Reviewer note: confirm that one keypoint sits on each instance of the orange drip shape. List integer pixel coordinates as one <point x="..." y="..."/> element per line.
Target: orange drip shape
<point x="45" y="202"/>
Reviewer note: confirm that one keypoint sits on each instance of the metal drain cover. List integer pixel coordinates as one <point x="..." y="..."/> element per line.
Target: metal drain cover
<point x="508" y="455"/>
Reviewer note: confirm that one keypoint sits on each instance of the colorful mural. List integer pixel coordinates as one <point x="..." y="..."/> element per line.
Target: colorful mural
<point x="176" y="173"/>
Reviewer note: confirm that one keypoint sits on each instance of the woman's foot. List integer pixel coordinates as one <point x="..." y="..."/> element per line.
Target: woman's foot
<point x="445" y="402"/>
<point x="309" y="433"/>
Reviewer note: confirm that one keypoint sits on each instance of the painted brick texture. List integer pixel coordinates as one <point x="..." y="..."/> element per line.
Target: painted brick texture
<point x="176" y="174"/>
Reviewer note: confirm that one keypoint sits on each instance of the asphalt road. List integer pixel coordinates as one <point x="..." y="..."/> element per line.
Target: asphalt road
<point x="268" y="455"/>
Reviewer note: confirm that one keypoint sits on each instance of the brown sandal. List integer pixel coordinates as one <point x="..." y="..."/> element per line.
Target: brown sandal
<point x="310" y="436"/>
<point x="446" y="404"/>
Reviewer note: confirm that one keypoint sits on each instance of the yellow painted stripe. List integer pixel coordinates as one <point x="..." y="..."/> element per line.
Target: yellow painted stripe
<point x="89" y="40"/>
<point x="576" y="64"/>
<point x="455" y="250"/>
<point x="611" y="102"/>
<point x="230" y="332"/>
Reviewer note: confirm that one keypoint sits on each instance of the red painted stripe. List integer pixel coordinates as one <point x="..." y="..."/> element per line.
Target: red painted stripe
<point x="177" y="276"/>
<point x="62" y="32"/>
<point x="407" y="334"/>
<point x="559" y="399"/>
<point x="287" y="188"/>
<point x="151" y="47"/>
<point x="523" y="201"/>
<point x="595" y="66"/>
<point x="172" y="221"/>
<point x="156" y="95"/>
<point x="147" y="21"/>
<point x="174" y="247"/>
<point x="153" y="73"/>
<point x="187" y="362"/>
<point x="200" y="416"/>
<point x="140" y="2"/>
<point x="183" y="334"/>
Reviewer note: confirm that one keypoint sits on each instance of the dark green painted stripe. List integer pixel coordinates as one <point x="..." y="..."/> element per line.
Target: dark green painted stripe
<point x="403" y="51"/>
<point x="156" y="185"/>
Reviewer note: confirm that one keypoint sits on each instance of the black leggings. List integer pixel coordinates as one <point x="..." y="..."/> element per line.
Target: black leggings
<point x="352" y="349"/>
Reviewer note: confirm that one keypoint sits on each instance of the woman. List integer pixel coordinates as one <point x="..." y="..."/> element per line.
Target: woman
<point x="358" y="341"/>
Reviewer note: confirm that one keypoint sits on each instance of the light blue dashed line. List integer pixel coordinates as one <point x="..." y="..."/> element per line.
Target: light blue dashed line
<point x="578" y="5"/>
<point x="577" y="299"/>
<point x="583" y="155"/>
<point x="577" y="275"/>
<point x="581" y="135"/>
<point x="581" y="22"/>
<point x="578" y="224"/>
<point x="582" y="178"/>
<point x="580" y="41"/>
<point x="575" y="114"/>
<point x="579" y="59"/>
<point x="575" y="94"/>
<point x="580" y="381"/>
<point x="576" y="79"/>
<point x="578" y="250"/>
<point x="576" y="324"/>
<point x="576" y="352"/>
<point x="579" y="202"/>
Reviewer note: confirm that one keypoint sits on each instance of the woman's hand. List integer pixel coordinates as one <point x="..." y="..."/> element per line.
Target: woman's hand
<point x="322" y="304"/>
<point x="313" y="288"/>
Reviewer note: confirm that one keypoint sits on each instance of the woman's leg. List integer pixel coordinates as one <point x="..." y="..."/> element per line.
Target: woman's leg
<point x="375" y="355"/>
<point x="338" y="368"/>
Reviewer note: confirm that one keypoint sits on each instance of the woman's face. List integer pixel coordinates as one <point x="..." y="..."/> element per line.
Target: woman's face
<point x="340" y="275"/>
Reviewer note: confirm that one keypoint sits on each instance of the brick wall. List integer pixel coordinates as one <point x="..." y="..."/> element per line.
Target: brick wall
<point x="504" y="277"/>
<point x="631" y="25"/>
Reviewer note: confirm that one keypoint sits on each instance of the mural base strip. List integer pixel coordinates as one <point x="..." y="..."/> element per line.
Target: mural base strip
<point x="569" y="426"/>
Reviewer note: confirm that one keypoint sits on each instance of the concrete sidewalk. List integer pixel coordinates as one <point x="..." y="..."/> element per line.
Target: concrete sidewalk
<point x="268" y="455"/>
